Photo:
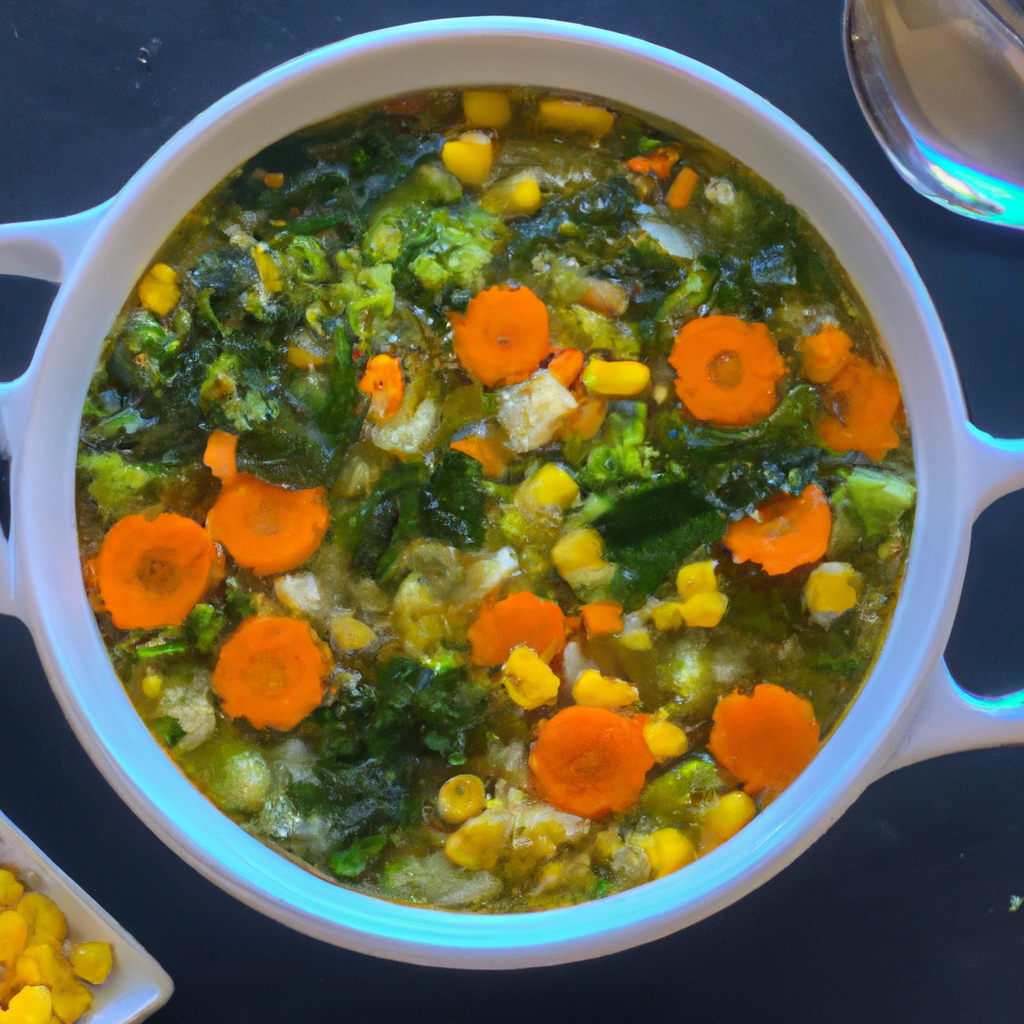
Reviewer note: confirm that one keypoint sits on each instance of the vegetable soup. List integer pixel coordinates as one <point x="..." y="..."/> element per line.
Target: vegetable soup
<point x="493" y="499"/>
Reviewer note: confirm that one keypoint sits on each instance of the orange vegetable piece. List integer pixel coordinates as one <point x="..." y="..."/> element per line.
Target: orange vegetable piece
<point x="518" y="620"/>
<point x="265" y="527"/>
<point x="488" y="451"/>
<point x="727" y="370"/>
<point x="590" y="761"/>
<point x="602" y="617"/>
<point x="658" y="162"/>
<point x="383" y="382"/>
<point x="793" y="530"/>
<point x="824" y="354"/>
<point x="586" y="420"/>
<point x="680" y="192"/>
<point x="152" y="572"/>
<point x="566" y="365"/>
<point x="504" y="336"/>
<point x="639" y="165"/>
<point x="869" y="400"/>
<point x="766" y="740"/>
<point x="271" y="672"/>
<point x="275" y="179"/>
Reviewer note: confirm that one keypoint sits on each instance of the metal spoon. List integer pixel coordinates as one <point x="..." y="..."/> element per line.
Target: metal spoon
<point x="941" y="82"/>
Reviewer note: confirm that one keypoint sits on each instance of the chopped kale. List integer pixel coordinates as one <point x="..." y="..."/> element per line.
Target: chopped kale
<point x="453" y="501"/>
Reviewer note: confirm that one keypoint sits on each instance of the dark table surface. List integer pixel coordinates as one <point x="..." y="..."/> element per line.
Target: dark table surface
<point x="900" y="913"/>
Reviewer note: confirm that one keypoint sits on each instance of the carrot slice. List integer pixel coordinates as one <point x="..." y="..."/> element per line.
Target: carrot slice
<point x="602" y="617"/>
<point x="566" y="365"/>
<point x="766" y="740"/>
<point x="220" y="455"/>
<point x="680" y="192"/>
<point x="523" y="619"/>
<point x="790" y="531"/>
<point x="590" y="761"/>
<point x="503" y="338"/>
<point x="824" y="354"/>
<point x="727" y="370"/>
<point x="383" y="382"/>
<point x="152" y="572"/>
<point x="488" y="451"/>
<point x="271" y="671"/>
<point x="869" y="400"/>
<point x="266" y="527"/>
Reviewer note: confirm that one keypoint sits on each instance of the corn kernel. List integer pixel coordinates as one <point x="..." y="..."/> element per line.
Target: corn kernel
<point x="485" y="108"/>
<point x="550" y="485"/>
<point x="460" y="799"/>
<point x="351" y="634"/>
<point x="41" y="964"/>
<point x="729" y="814"/>
<point x="618" y="379"/>
<point x="574" y="116"/>
<point x="13" y="932"/>
<point x="302" y="358"/>
<point x="32" y="1005"/>
<point x="478" y="844"/>
<point x="468" y="157"/>
<point x="668" y="850"/>
<point x="11" y="890"/>
<point x="528" y="680"/>
<point x="269" y="273"/>
<point x="513" y="197"/>
<point x="831" y="588"/>
<point x="636" y="639"/>
<point x="92" y="961"/>
<point x="703" y="609"/>
<point x="577" y="555"/>
<point x="696" y="578"/>
<point x="158" y="290"/>
<point x="46" y="922"/>
<point x="597" y="691"/>
<point x="665" y="740"/>
<point x="70" y="1001"/>
<point x="152" y="685"/>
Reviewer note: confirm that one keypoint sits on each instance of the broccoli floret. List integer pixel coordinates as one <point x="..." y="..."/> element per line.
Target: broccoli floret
<point x="599" y="331"/>
<point x="365" y="294"/>
<point x="453" y="247"/>
<point x="879" y="499"/>
<point x="242" y="407"/>
<point x="121" y="488"/>
<point x="140" y="356"/>
<point x="621" y="453"/>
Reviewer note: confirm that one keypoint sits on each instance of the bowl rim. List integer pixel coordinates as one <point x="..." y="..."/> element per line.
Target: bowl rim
<point x="76" y="662"/>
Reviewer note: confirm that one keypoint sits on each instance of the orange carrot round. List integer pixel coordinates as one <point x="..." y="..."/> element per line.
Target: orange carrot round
<point x="523" y="619"/>
<point x="766" y="740"/>
<point x="792" y="530"/>
<point x="266" y="527"/>
<point x="503" y="337"/>
<point x="383" y="382"/>
<point x="824" y="354"/>
<point x="868" y="400"/>
<point x="727" y="370"/>
<point x="270" y="671"/>
<point x="590" y="761"/>
<point x="152" y="572"/>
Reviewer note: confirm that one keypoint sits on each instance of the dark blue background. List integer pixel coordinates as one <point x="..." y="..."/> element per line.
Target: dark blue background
<point x="900" y="913"/>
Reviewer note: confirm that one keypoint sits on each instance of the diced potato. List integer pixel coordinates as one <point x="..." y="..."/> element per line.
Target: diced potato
<point x="532" y="412"/>
<point x="409" y="431"/>
<point x="299" y="592"/>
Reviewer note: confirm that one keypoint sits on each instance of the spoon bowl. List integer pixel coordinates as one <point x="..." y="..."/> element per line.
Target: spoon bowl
<point x="941" y="83"/>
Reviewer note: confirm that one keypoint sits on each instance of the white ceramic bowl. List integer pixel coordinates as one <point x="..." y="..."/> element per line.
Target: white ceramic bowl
<point x="909" y="708"/>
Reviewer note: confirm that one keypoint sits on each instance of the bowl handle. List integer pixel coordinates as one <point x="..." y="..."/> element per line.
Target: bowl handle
<point x="44" y="249"/>
<point x="948" y="718"/>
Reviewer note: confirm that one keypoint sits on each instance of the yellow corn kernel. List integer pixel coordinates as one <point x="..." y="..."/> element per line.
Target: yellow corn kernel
<point x="302" y="358"/>
<point x="528" y="680"/>
<point x="269" y="272"/>
<point x="696" y="578"/>
<point x="618" y="379"/>
<point x="351" y="634"/>
<point x="32" y="1005"/>
<point x="459" y="799"/>
<point x="550" y="485"/>
<point x="13" y="932"/>
<point x="158" y="290"/>
<point x="70" y="1001"/>
<point x="580" y="551"/>
<point x="705" y="609"/>
<point x="597" y="691"/>
<point x="152" y="685"/>
<point x="832" y="588"/>
<point x="11" y="890"/>
<point x="478" y="844"/>
<point x="41" y="964"/>
<point x="665" y="740"/>
<point x="575" y="116"/>
<point x="468" y="157"/>
<point x="667" y="615"/>
<point x="668" y="850"/>
<point x="92" y="961"/>
<point x="731" y="812"/>
<point x="485" y="108"/>
<point x="46" y="922"/>
<point x="636" y="639"/>
<point x="607" y="843"/>
<point x="517" y="196"/>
